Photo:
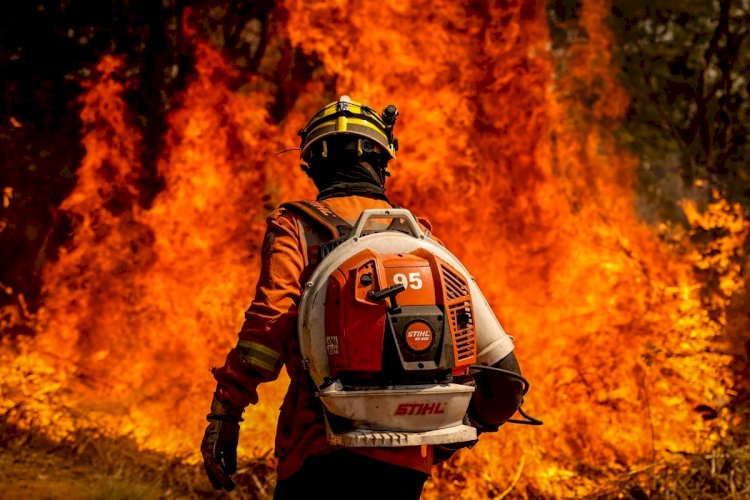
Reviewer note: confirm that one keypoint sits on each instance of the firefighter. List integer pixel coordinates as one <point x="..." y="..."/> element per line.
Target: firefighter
<point x="346" y="148"/>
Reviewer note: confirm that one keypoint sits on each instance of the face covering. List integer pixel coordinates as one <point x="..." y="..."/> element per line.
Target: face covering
<point x="347" y="175"/>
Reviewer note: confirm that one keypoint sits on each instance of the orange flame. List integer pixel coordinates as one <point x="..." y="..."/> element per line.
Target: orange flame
<point x="519" y="180"/>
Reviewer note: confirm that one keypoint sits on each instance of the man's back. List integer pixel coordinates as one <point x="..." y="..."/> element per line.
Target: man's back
<point x="346" y="148"/>
<point x="290" y="254"/>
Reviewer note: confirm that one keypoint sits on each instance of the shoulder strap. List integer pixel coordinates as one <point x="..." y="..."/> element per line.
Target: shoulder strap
<point x="320" y="213"/>
<point x="337" y="227"/>
<point x="399" y="225"/>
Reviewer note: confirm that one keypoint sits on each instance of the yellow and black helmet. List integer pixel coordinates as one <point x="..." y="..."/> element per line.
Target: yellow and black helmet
<point x="368" y="130"/>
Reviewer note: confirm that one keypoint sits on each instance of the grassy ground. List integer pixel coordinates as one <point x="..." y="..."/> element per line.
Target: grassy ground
<point x="92" y="468"/>
<point x="722" y="473"/>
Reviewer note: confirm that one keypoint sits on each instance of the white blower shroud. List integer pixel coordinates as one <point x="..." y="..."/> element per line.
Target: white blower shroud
<point x="409" y="413"/>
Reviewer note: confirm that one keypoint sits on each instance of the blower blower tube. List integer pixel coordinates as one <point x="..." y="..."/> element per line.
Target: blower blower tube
<point x="499" y="394"/>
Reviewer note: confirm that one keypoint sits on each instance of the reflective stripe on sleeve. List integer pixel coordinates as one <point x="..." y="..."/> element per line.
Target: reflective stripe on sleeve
<point x="257" y="354"/>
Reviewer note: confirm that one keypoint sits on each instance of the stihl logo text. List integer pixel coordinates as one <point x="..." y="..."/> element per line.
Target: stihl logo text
<point x="421" y="408"/>
<point x="420" y="335"/>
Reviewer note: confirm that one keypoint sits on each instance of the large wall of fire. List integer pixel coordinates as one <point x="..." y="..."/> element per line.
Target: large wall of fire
<point x="535" y="199"/>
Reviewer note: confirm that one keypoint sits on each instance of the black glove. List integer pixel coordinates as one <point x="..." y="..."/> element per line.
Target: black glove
<point x="219" y="446"/>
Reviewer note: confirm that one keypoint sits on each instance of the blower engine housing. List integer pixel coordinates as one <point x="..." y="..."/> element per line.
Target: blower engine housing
<point x="389" y="324"/>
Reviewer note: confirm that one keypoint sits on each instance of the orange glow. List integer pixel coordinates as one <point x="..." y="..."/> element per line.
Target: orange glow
<point x="610" y="325"/>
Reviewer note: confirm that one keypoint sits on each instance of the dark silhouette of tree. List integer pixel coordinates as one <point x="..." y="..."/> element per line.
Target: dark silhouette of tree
<point x="685" y="65"/>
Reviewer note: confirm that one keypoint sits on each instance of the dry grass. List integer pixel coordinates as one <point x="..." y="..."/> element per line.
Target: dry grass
<point x="95" y="467"/>
<point x="722" y="473"/>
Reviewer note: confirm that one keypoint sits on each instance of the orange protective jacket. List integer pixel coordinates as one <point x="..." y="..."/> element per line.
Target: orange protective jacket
<point x="268" y="339"/>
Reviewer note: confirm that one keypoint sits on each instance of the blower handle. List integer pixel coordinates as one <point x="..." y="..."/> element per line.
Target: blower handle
<point x="386" y="213"/>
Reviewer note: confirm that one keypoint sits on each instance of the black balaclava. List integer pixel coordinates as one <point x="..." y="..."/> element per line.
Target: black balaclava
<point x="344" y="173"/>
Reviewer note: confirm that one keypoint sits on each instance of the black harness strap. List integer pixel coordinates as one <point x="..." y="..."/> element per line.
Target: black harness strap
<point x="338" y="228"/>
<point x="320" y="213"/>
<point x="399" y="225"/>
